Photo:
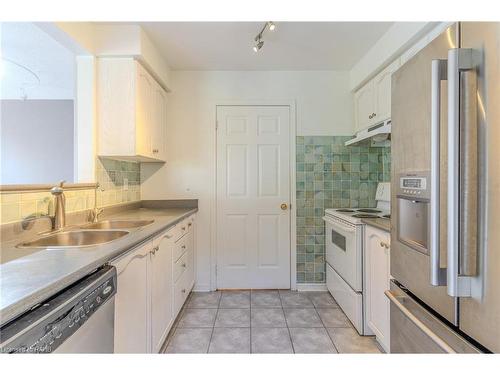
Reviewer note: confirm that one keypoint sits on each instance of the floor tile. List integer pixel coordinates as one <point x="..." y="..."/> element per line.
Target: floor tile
<point x="207" y="300"/>
<point x="190" y="340"/>
<point x="271" y="340"/>
<point x="233" y="318"/>
<point x="322" y="299"/>
<point x="311" y="340"/>
<point x="198" y="318"/>
<point x="264" y="317"/>
<point x="235" y="299"/>
<point x="333" y="318"/>
<point x="265" y="298"/>
<point x="302" y="318"/>
<point x="347" y="340"/>
<point x="294" y="299"/>
<point x="230" y="340"/>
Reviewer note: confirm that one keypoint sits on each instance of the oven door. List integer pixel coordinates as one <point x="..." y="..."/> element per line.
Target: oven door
<point x="343" y="250"/>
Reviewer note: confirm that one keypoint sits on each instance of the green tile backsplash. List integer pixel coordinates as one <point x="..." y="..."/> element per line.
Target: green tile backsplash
<point x="331" y="175"/>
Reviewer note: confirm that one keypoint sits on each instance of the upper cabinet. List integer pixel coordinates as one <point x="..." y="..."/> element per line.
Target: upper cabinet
<point x="131" y="110"/>
<point x="372" y="102"/>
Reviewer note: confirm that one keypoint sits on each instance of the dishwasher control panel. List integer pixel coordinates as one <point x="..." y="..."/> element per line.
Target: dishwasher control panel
<point x="48" y="325"/>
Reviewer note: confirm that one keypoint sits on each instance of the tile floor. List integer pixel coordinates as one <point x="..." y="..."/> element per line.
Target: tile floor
<point x="265" y="321"/>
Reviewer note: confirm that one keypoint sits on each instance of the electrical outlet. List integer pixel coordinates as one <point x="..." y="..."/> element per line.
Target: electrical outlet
<point x="125" y="184"/>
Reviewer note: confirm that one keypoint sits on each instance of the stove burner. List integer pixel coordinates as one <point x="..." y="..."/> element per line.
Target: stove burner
<point x="344" y="210"/>
<point x="369" y="210"/>
<point x="365" y="216"/>
<point x="388" y="216"/>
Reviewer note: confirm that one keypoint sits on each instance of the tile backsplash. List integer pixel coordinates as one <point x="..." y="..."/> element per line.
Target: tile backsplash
<point x="111" y="175"/>
<point x="331" y="175"/>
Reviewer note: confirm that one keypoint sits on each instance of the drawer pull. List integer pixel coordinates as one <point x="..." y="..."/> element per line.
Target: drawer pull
<point x="183" y="246"/>
<point x="183" y="290"/>
<point x="184" y="265"/>
<point x="190" y="224"/>
<point x="168" y="236"/>
<point x="183" y="228"/>
<point x="384" y="244"/>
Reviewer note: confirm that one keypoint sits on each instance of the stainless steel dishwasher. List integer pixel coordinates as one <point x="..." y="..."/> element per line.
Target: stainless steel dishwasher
<point x="80" y="319"/>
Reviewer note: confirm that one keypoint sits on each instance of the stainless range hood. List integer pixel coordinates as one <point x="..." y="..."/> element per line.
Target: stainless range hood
<point x="378" y="135"/>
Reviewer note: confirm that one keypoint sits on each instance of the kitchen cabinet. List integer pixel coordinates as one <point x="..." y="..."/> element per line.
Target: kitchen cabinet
<point x="153" y="283"/>
<point x="372" y="102"/>
<point x="131" y="112"/>
<point x="377" y="278"/>
<point x="162" y="313"/>
<point x="132" y="301"/>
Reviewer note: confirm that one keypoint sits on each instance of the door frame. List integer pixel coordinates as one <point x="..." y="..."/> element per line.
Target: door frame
<point x="291" y="104"/>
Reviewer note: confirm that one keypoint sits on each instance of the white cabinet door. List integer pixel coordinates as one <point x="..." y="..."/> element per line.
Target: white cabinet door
<point x="253" y="183"/>
<point x="132" y="316"/>
<point x="144" y="112"/>
<point x="161" y="291"/>
<point x="377" y="243"/>
<point x="382" y="93"/>
<point x="364" y="106"/>
<point x="159" y="125"/>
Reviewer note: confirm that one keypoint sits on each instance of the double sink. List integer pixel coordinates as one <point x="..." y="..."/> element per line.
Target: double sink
<point x="92" y="234"/>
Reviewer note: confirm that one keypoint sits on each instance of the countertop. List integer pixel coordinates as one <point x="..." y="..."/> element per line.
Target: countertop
<point x="36" y="275"/>
<point x="380" y="223"/>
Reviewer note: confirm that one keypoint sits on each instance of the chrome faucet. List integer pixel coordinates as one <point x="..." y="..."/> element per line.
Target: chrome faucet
<point x="96" y="211"/>
<point x="60" y="206"/>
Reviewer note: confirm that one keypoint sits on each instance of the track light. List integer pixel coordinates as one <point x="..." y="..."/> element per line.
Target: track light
<point x="258" y="45"/>
<point x="258" y="39"/>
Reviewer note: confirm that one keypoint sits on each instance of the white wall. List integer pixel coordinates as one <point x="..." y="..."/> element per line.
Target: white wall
<point x="323" y="107"/>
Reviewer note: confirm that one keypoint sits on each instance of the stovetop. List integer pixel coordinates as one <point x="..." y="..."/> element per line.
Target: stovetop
<point x="354" y="215"/>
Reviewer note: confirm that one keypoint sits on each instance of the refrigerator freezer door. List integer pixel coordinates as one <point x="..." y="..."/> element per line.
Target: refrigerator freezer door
<point x="415" y="330"/>
<point x="480" y="314"/>
<point x="411" y="152"/>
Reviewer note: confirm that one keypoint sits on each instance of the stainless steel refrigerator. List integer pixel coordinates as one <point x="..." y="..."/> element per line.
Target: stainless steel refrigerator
<point x="445" y="242"/>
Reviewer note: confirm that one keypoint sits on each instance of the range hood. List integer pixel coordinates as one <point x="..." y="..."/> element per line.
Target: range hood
<point x="378" y="135"/>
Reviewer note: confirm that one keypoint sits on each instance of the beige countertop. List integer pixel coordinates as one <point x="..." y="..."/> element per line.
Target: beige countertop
<point x="380" y="223"/>
<point x="37" y="274"/>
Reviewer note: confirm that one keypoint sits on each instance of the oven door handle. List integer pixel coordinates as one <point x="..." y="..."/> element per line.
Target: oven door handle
<point x="439" y="73"/>
<point x="345" y="227"/>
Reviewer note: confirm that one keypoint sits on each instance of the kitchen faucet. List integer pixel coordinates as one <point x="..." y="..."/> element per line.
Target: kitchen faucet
<point x="60" y="206"/>
<point x="96" y="211"/>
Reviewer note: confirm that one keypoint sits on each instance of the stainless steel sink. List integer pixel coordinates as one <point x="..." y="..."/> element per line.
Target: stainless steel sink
<point x="76" y="238"/>
<point x="119" y="224"/>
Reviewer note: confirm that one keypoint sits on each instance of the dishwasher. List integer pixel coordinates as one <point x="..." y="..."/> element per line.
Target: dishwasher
<point x="79" y="319"/>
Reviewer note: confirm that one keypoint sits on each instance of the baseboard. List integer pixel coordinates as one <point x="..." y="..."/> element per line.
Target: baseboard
<point x="311" y="287"/>
<point x="201" y="288"/>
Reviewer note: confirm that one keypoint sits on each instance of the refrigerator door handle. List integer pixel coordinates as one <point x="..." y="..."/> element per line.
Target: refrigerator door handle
<point x="439" y="74"/>
<point x="462" y="172"/>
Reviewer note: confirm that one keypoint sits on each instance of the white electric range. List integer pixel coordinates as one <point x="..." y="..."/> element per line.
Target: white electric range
<point x="344" y="234"/>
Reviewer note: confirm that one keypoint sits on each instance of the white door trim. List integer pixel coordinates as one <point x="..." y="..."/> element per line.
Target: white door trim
<point x="293" y="211"/>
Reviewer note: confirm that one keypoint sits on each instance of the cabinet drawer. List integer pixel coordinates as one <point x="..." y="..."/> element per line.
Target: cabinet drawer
<point x="181" y="265"/>
<point x="181" y="292"/>
<point x="180" y="248"/>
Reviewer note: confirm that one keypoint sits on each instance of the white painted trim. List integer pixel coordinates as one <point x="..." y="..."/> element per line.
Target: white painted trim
<point x="291" y="103"/>
<point x="202" y="288"/>
<point x="311" y="287"/>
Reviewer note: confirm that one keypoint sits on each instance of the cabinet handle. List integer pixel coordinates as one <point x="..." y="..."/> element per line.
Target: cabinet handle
<point x="184" y="265"/>
<point x="370" y="117"/>
<point x="384" y="244"/>
<point x="183" y="228"/>
<point x="168" y="236"/>
<point x="183" y="290"/>
<point x="183" y="246"/>
<point x="190" y="224"/>
<point x="374" y="114"/>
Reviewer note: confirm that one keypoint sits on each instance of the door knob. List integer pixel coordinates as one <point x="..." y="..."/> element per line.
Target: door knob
<point x="284" y="206"/>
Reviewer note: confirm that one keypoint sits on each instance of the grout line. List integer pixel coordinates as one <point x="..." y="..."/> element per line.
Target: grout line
<point x="286" y="323"/>
<point x="250" y="323"/>
<point x="213" y="327"/>
<point x="326" y="329"/>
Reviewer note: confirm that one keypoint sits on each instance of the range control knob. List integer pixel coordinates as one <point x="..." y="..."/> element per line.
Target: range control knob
<point x="98" y="299"/>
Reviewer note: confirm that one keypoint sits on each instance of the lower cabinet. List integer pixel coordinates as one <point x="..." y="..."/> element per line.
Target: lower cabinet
<point x="377" y="278"/>
<point x="153" y="283"/>
<point x="132" y="300"/>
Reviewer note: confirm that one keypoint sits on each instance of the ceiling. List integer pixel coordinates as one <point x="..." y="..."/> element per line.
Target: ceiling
<point x="34" y="65"/>
<point x="292" y="46"/>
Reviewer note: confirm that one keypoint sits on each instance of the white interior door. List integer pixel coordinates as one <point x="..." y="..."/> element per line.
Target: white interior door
<point x="253" y="182"/>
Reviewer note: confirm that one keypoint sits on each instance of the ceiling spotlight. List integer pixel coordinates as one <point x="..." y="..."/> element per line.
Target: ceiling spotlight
<point x="258" y="39"/>
<point x="258" y="45"/>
